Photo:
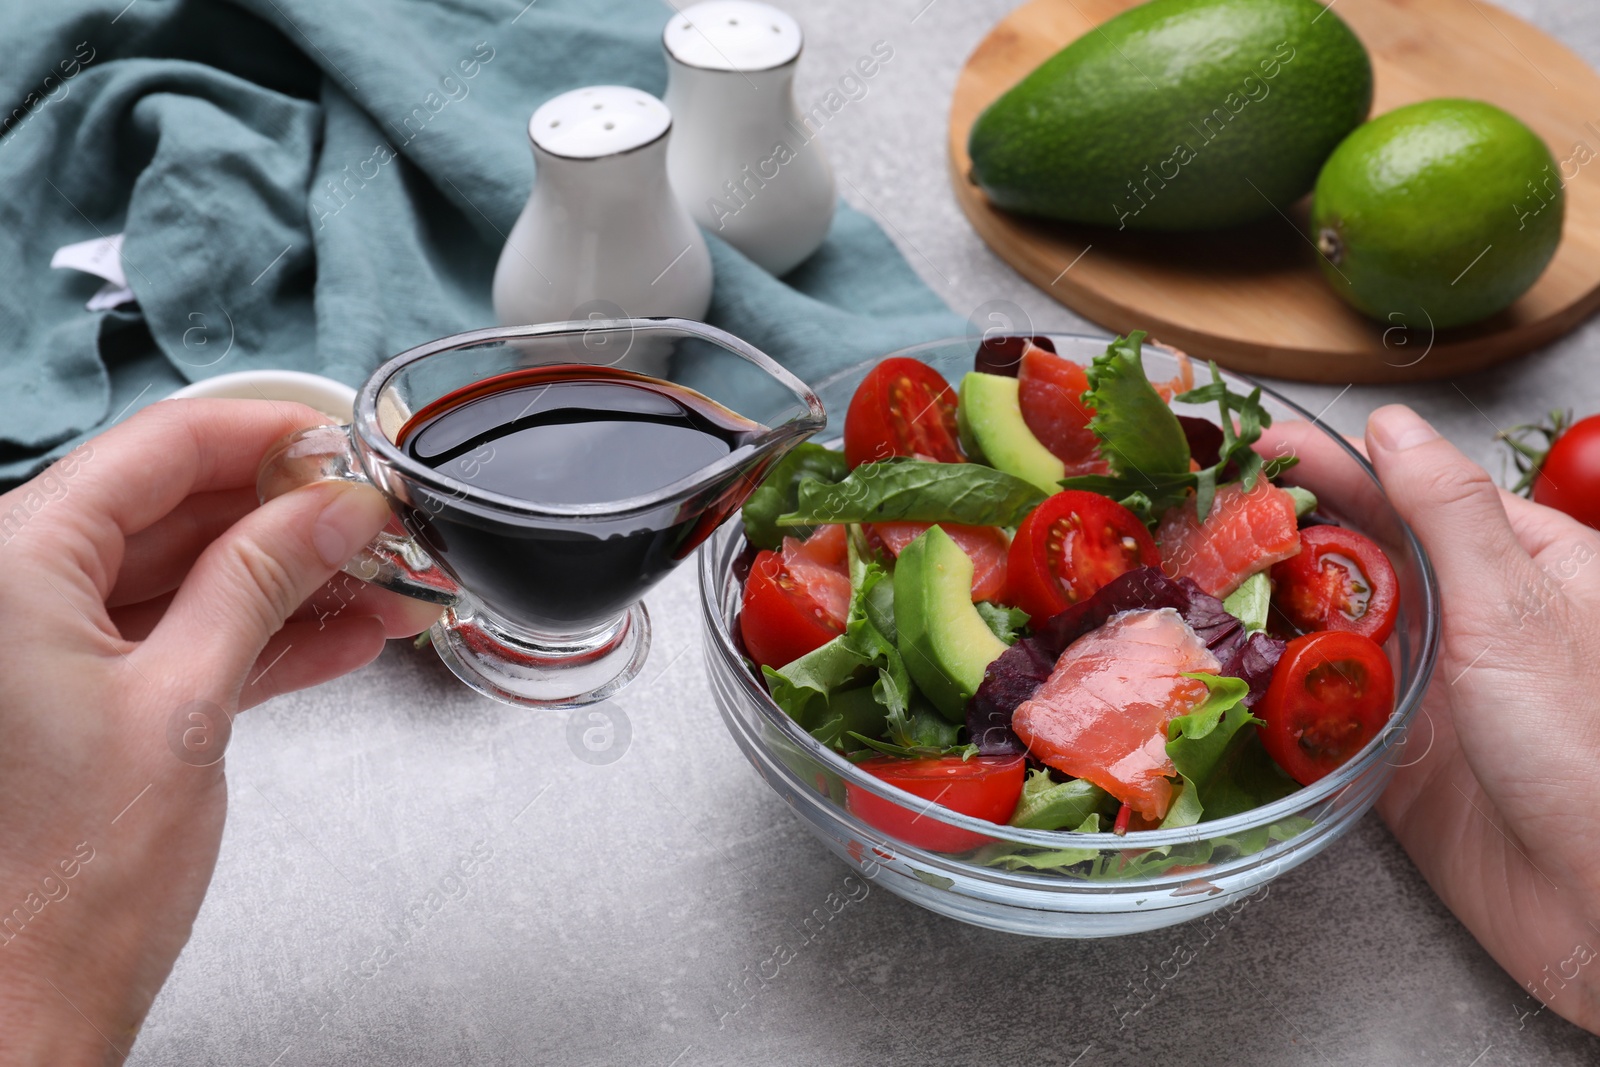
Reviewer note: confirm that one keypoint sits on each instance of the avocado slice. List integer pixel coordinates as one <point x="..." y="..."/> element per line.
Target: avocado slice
<point x="945" y="642"/>
<point x="989" y="417"/>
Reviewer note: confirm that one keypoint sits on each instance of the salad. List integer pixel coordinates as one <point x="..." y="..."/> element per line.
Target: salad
<point x="1043" y="598"/>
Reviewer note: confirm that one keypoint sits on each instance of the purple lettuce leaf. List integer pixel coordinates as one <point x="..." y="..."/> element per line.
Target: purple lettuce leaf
<point x="1021" y="669"/>
<point x="1003" y="355"/>
<point x="1205" y="439"/>
<point x="1254" y="661"/>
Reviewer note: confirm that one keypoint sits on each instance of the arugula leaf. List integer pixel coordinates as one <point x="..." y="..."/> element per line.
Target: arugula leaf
<point x="1196" y="743"/>
<point x="1140" y="438"/>
<point x="1050" y="805"/>
<point x="1005" y="623"/>
<point x="912" y="490"/>
<point x="1249" y="603"/>
<point x="780" y="489"/>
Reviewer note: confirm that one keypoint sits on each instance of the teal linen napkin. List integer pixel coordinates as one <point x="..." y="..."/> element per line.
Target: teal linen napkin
<point x="319" y="184"/>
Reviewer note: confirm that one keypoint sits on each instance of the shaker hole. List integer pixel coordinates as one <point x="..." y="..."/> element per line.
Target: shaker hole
<point x="777" y="29"/>
<point x="611" y="125"/>
<point x="554" y="123"/>
<point x="597" y="107"/>
<point x="733" y="22"/>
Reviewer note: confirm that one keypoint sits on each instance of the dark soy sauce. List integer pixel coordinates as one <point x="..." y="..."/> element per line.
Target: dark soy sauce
<point x="562" y="436"/>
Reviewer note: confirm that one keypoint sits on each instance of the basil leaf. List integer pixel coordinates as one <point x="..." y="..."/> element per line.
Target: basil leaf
<point x="912" y="490"/>
<point x="780" y="489"/>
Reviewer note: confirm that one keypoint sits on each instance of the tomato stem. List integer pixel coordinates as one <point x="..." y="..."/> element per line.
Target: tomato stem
<point x="1529" y="460"/>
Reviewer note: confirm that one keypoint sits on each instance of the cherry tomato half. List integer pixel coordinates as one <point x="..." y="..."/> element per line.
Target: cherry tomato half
<point x="985" y="546"/>
<point x="985" y="787"/>
<point x="903" y="408"/>
<point x="1569" y="478"/>
<point x="1339" y="580"/>
<point x="1050" y="391"/>
<point x="1070" y="546"/>
<point x="1331" y="693"/>
<point x="796" y="600"/>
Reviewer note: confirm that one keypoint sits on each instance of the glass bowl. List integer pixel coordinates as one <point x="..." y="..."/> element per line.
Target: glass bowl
<point x="1055" y="883"/>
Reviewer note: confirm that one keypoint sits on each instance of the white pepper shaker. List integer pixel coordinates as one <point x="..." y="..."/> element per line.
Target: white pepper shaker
<point x="602" y="234"/>
<point x="743" y="159"/>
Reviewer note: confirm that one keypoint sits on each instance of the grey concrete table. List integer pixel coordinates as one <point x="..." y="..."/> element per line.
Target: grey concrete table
<point x="626" y="911"/>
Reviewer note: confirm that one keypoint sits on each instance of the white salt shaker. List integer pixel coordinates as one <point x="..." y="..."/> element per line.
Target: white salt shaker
<point x="602" y="235"/>
<point x="744" y="161"/>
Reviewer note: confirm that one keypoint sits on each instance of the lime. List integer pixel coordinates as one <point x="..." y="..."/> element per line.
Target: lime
<point x="1437" y="214"/>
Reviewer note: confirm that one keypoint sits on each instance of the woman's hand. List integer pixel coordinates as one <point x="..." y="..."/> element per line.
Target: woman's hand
<point x="145" y="598"/>
<point x="1502" y="814"/>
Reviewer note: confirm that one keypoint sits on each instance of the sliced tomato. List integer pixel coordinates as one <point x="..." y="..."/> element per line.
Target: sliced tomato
<point x="827" y="545"/>
<point x="985" y="546"/>
<point x="1331" y="693"/>
<point x="1071" y="545"/>
<point x="1339" y="580"/>
<point x="985" y="787"/>
<point x="1050" y="390"/>
<point x="902" y="408"/>
<point x="796" y="600"/>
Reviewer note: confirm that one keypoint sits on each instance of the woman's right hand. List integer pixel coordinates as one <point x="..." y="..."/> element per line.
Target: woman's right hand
<point x="1502" y="814"/>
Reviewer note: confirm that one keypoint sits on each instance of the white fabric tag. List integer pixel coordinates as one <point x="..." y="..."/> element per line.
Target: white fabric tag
<point x="101" y="257"/>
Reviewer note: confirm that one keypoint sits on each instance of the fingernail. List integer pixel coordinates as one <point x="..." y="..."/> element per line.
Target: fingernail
<point x="1398" y="428"/>
<point x="347" y="522"/>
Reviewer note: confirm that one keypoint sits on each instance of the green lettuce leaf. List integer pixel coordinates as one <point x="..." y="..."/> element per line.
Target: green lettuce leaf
<point x="780" y="490"/>
<point x="828" y="693"/>
<point x="912" y="490"/>
<point x="1245" y="779"/>
<point x="1005" y="623"/>
<point x="1140" y="438"/>
<point x="1143" y="442"/>
<point x="1050" y="805"/>
<point x="1197" y="741"/>
<point x="1249" y="602"/>
<point x="838" y="717"/>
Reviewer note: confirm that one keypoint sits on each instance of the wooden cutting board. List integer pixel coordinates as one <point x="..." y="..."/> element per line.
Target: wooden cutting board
<point x="1253" y="298"/>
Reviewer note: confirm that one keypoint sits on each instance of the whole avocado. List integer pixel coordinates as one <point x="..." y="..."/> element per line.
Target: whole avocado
<point x="1177" y="115"/>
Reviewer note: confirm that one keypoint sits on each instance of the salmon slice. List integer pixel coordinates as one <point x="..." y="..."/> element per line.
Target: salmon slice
<point x="985" y="546"/>
<point x="1244" y="533"/>
<point x="1103" y="712"/>
<point x="820" y="565"/>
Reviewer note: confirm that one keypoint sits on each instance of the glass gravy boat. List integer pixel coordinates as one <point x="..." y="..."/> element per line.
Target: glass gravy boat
<point x="542" y="598"/>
